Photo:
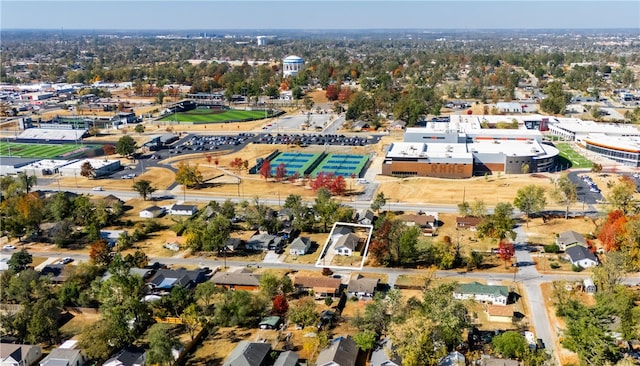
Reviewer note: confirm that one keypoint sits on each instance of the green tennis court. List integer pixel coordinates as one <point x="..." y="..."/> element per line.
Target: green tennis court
<point x="43" y="151"/>
<point x="204" y="115"/>
<point x="342" y="164"/>
<point x="293" y="162"/>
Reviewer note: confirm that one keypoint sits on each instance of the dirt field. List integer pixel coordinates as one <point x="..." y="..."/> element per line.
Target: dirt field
<point x="78" y="320"/>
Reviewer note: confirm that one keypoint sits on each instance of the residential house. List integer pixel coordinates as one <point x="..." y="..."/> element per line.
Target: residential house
<point x="492" y="361"/>
<point x="427" y="223"/>
<point x="263" y="242"/>
<point x="496" y="295"/>
<point x="237" y="280"/>
<point x="111" y="236"/>
<point x="346" y="244"/>
<point x="467" y="222"/>
<point x="249" y="354"/>
<point x="454" y="358"/>
<point x="183" y="210"/>
<point x="364" y="217"/>
<point x="128" y="356"/>
<point x="299" y="246"/>
<point x="340" y="230"/>
<point x="581" y="256"/>
<point x="288" y="358"/>
<point x="19" y="354"/>
<point x="570" y="238"/>
<point x="362" y="287"/>
<point x="144" y="273"/>
<point x="500" y="313"/>
<point x="588" y="286"/>
<point x="233" y="245"/>
<point x="166" y="279"/>
<point x="270" y="322"/>
<point x="343" y="351"/>
<point x="65" y="355"/>
<point x="384" y="354"/>
<point x="321" y="286"/>
<point x="56" y="272"/>
<point x="111" y="201"/>
<point x="151" y="212"/>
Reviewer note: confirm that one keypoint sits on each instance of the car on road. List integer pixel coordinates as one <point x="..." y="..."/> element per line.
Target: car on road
<point x="9" y="247"/>
<point x="66" y="260"/>
<point x="96" y="188"/>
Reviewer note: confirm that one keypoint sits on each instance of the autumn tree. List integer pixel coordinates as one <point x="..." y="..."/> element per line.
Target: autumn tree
<point x="280" y="304"/>
<point x="338" y="185"/>
<point x="281" y="171"/>
<point x="565" y="193"/>
<point x="506" y="251"/>
<point x="530" y="199"/>
<point x="631" y="243"/>
<point x="99" y="252"/>
<point x="622" y="196"/>
<point x="612" y="232"/>
<point x="238" y="164"/>
<point x="332" y="92"/>
<point x="188" y="176"/>
<point x="265" y="169"/>
<point x="144" y="188"/>
<point x="304" y="312"/>
<point x="109" y="149"/>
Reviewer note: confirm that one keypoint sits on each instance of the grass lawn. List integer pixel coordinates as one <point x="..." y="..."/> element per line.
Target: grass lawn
<point x="44" y="151"/>
<point x="574" y="158"/>
<point x="208" y="116"/>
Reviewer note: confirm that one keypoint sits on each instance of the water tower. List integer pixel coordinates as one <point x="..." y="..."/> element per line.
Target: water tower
<point x="291" y="65"/>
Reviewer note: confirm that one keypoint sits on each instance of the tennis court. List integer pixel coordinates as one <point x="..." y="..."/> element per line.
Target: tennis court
<point x="43" y="151"/>
<point x="342" y="164"/>
<point x="294" y="162"/>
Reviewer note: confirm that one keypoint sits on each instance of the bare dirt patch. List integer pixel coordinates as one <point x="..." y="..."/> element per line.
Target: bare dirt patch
<point x="78" y="319"/>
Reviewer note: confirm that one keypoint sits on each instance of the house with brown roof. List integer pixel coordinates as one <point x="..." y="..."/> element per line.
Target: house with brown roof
<point x="238" y="280"/>
<point x="500" y="313"/>
<point x="468" y="222"/>
<point x="321" y="286"/>
<point x="427" y="223"/>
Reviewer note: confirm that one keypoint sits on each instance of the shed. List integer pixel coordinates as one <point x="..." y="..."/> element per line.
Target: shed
<point x="588" y="286"/>
<point x="500" y="313"/>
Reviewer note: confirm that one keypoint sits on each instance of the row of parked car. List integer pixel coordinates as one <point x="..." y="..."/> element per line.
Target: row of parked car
<point x="313" y="139"/>
<point x="202" y="143"/>
<point x="592" y="186"/>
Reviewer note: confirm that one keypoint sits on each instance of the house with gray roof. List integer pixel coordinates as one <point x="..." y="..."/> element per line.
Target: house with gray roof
<point x="65" y="355"/>
<point x="288" y="358"/>
<point x="581" y="256"/>
<point x="570" y="238"/>
<point x="343" y="351"/>
<point x="362" y="287"/>
<point x="299" y="246"/>
<point x="166" y="279"/>
<point x="19" y="354"/>
<point x="249" y="354"/>
<point x="496" y="295"/>
<point x="346" y="244"/>
<point x="183" y="210"/>
<point x="128" y="356"/>
<point x="263" y="242"/>
<point x="384" y="354"/>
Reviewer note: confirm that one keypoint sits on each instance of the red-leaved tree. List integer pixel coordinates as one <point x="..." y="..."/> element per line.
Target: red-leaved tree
<point x="109" y="149"/>
<point x="281" y="171"/>
<point x="265" y="169"/>
<point x="280" y="304"/>
<point x="338" y="186"/>
<point x="332" y="92"/>
<point x="506" y="251"/>
<point x="612" y="232"/>
<point x="99" y="252"/>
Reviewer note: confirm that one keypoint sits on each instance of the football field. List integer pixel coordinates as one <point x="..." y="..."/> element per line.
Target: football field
<point x="212" y="116"/>
<point x="43" y="151"/>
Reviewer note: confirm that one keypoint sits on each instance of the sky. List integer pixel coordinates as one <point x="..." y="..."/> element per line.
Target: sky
<point x="315" y="14"/>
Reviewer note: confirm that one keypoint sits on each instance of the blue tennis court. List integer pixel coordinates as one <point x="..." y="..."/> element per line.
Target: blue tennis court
<point x="342" y="164"/>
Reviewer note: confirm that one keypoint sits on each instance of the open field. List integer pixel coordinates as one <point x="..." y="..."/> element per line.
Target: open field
<point x="540" y="233"/>
<point x="210" y="116"/>
<point x="37" y="150"/>
<point x="572" y="156"/>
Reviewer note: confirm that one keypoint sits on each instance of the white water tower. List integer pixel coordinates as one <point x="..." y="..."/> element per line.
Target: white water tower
<point x="291" y="65"/>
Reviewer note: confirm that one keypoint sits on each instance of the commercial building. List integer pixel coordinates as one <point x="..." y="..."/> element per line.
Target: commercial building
<point x="461" y="148"/>
<point x="100" y="167"/>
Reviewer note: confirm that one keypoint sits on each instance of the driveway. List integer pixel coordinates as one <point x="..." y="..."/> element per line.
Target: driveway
<point x="272" y="257"/>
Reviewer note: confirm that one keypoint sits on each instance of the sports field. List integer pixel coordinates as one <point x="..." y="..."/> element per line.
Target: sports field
<point x="293" y="162"/>
<point x="569" y="154"/>
<point x="43" y="151"/>
<point x="342" y="164"/>
<point x="203" y="115"/>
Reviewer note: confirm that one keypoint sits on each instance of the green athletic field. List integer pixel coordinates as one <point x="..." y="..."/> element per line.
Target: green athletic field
<point x="573" y="157"/>
<point x="43" y="151"/>
<point x="209" y="116"/>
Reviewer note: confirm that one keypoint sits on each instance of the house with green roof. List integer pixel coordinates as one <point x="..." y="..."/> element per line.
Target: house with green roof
<point x="496" y="295"/>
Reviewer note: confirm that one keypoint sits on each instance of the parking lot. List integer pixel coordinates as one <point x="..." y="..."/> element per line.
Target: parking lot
<point x="194" y="143"/>
<point x="315" y="139"/>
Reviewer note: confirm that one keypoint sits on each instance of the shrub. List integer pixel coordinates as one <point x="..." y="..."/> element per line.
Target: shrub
<point x="552" y="248"/>
<point x="328" y="301"/>
<point x="577" y="268"/>
<point x="554" y="265"/>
